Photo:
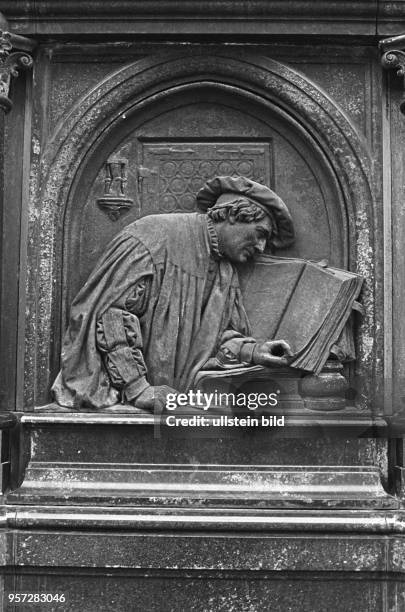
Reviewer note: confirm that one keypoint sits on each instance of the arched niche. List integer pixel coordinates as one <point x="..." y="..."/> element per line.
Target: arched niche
<point x="310" y="153"/>
<point x="185" y="136"/>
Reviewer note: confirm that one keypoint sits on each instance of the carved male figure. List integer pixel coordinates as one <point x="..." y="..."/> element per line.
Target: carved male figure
<point x="164" y="300"/>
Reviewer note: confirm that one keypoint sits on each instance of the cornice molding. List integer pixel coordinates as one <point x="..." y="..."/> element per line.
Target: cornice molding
<point x="37" y="8"/>
<point x="391" y="17"/>
<point x="212" y="17"/>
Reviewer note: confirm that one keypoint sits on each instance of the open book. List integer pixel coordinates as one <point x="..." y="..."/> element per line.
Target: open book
<point x="301" y="302"/>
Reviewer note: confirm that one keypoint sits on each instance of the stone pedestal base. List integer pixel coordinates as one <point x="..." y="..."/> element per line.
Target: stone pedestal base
<point x="111" y="517"/>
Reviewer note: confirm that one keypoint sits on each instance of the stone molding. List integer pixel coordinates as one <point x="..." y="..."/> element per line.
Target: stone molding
<point x="235" y="487"/>
<point x="34" y="9"/>
<point x="79" y="517"/>
<point x="299" y="17"/>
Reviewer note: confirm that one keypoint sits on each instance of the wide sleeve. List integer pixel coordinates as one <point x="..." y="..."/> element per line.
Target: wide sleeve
<point x="84" y="382"/>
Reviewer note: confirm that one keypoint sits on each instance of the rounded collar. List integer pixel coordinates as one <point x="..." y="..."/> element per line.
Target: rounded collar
<point x="212" y="232"/>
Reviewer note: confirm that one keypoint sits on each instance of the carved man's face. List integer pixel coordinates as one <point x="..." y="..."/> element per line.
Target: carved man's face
<point x="240" y="241"/>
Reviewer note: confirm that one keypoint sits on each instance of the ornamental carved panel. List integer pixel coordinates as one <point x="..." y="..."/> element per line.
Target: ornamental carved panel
<point x="173" y="171"/>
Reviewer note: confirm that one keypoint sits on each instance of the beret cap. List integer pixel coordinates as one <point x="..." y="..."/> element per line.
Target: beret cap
<point x="283" y="232"/>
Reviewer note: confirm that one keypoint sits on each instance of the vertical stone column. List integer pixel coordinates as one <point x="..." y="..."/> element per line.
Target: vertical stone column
<point x="13" y="59"/>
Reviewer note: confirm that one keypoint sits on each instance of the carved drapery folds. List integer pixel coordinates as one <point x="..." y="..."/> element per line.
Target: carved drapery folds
<point x="10" y="65"/>
<point x="393" y="58"/>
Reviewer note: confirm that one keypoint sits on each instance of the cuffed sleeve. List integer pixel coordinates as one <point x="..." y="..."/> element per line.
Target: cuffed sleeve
<point x="133" y="390"/>
<point x="119" y="340"/>
<point x="235" y="350"/>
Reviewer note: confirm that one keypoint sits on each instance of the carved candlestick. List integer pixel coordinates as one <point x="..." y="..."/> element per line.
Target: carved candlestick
<point x="114" y="202"/>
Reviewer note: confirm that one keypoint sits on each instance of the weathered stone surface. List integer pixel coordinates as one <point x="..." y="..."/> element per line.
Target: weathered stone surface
<point x="391" y="17"/>
<point x="204" y="592"/>
<point x="89" y="438"/>
<point x="254" y="552"/>
<point x="336" y="103"/>
<point x="177" y="572"/>
<point x="207" y="573"/>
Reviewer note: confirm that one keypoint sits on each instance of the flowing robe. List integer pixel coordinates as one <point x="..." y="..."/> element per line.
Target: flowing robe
<point x="181" y="327"/>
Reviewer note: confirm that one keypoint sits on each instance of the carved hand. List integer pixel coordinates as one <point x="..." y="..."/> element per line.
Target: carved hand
<point x="272" y="353"/>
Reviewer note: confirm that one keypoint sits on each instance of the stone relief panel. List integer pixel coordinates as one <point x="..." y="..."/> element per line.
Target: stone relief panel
<point x="321" y="169"/>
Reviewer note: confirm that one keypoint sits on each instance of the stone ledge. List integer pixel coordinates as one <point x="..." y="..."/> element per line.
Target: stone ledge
<point x="212" y="519"/>
<point x="202" y="486"/>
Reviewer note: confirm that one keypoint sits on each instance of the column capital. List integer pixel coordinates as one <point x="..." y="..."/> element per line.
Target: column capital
<point x="14" y="57"/>
<point x="11" y="62"/>
<point x="393" y="58"/>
